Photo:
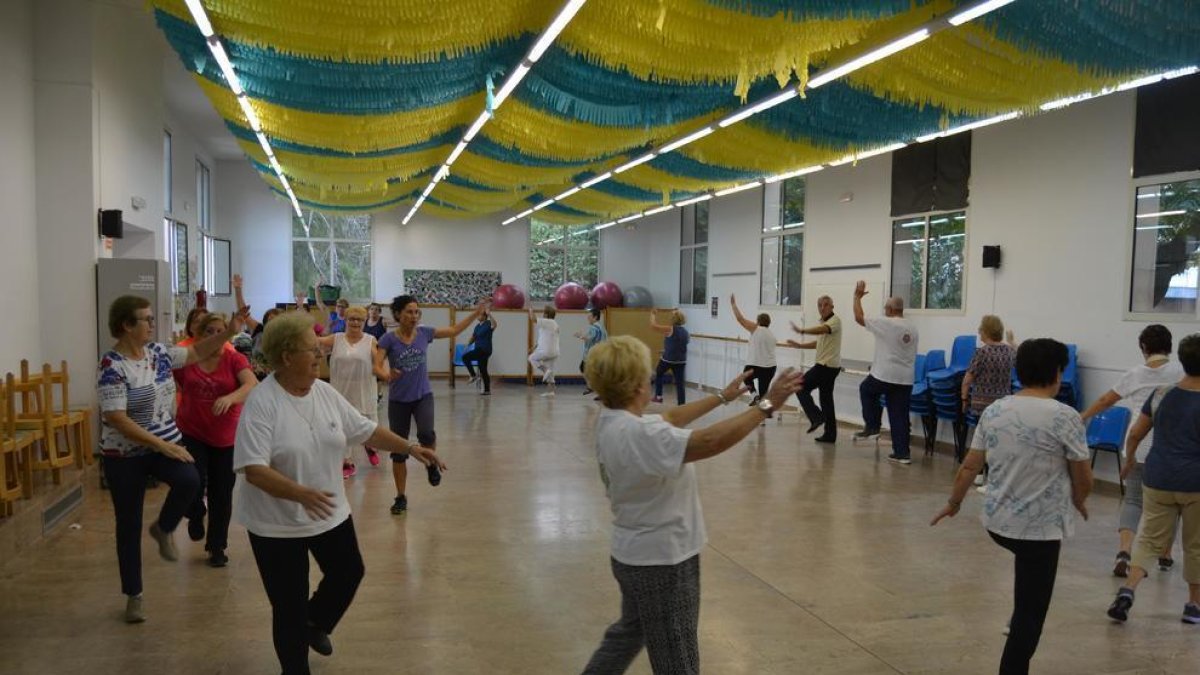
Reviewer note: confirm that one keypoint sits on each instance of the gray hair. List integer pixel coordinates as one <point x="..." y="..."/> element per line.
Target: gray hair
<point x="285" y="333"/>
<point x="895" y="304"/>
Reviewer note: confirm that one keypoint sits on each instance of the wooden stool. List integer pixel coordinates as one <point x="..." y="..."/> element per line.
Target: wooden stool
<point x="16" y="464"/>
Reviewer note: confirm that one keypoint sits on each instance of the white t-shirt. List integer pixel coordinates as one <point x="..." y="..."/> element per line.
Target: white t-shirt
<point x="1136" y="385"/>
<point x="1028" y="442"/>
<point x="547" y="337"/>
<point x="352" y="373"/>
<point x="895" y="349"/>
<point x="303" y="438"/>
<point x="655" y="501"/>
<point x="762" y="348"/>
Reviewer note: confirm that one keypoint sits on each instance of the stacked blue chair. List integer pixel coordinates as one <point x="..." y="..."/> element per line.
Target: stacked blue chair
<point x="1069" y="392"/>
<point x="1106" y="433"/>
<point x="921" y="402"/>
<point x="946" y="387"/>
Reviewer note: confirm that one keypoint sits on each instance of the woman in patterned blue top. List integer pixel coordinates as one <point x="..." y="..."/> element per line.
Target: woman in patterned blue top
<point x="138" y="436"/>
<point x="1039" y="471"/>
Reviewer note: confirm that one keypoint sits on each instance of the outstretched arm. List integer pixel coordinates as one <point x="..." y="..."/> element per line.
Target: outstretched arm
<point x="860" y="289"/>
<point x="1106" y="401"/>
<point x="656" y="326"/>
<point x="737" y="314"/>
<point x="819" y="329"/>
<point x="240" y="301"/>
<point x="451" y="331"/>
<point x="717" y="438"/>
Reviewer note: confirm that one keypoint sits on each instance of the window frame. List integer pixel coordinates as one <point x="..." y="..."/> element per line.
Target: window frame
<point x="683" y="215"/>
<point x="168" y="172"/>
<point x="332" y="240"/>
<point x="966" y="268"/>
<point x="1129" y="235"/>
<point x="563" y="253"/>
<point x="780" y="232"/>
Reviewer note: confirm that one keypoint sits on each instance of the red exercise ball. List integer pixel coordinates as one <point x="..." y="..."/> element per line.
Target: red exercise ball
<point x="571" y="296"/>
<point x="607" y="294"/>
<point x="508" y="296"/>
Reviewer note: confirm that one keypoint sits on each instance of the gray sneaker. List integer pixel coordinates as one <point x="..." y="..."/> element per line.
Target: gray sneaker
<point x="867" y="433"/>
<point x="166" y="543"/>
<point x="1191" y="613"/>
<point x="133" y="610"/>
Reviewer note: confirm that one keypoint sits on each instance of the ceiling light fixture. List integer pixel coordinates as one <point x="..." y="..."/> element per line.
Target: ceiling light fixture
<point x="660" y="209"/>
<point x="604" y="225"/>
<point x="543" y="42"/>
<point x="568" y="193"/>
<point x="1159" y="214"/>
<point x="738" y="188"/>
<point x="626" y="219"/>
<point x="694" y="136"/>
<point x="637" y="162"/>
<point x="597" y="179"/>
<point x="792" y="174"/>
<point x="1132" y="84"/>
<point x="977" y="11"/>
<point x="973" y="125"/>
<point x="694" y="200"/>
<point x="200" y="18"/>
<point x="782" y="97"/>
<point x="829" y="75"/>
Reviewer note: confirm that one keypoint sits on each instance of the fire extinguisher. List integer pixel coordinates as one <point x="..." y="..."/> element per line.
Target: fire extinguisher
<point x="202" y="299"/>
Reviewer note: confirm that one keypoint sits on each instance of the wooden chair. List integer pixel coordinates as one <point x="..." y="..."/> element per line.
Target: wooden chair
<point x="36" y="397"/>
<point x="78" y="418"/>
<point x="16" y="466"/>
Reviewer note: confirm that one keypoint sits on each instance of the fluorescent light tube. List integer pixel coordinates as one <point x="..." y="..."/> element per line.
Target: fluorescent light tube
<point x="440" y="175"/>
<point x="509" y="85"/>
<point x="737" y="188"/>
<point x="1064" y="102"/>
<point x="275" y="165"/>
<point x="226" y="66"/>
<point x="608" y="224"/>
<point x="200" y="17"/>
<point x="248" y="111"/>
<point x="973" y="125"/>
<point x="543" y="205"/>
<point x="524" y="213"/>
<point x="475" y="127"/>
<point x="870" y="57"/>
<point x="262" y="141"/>
<point x="792" y="174"/>
<point x="596" y="179"/>
<point x="428" y="189"/>
<point x="694" y="200"/>
<point x="660" y="209"/>
<point x="509" y="221"/>
<point x="458" y="150"/>
<point x="673" y="145"/>
<point x="626" y="219"/>
<point x="640" y="160"/>
<point x="977" y="11"/>
<point x="556" y="26"/>
<point x="568" y="193"/>
<point x="782" y="97"/>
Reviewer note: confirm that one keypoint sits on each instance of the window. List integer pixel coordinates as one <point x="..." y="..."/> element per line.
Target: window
<point x="558" y="254"/>
<point x="693" y="254"/>
<point x="168" y="207"/>
<point x="1166" y="249"/>
<point x="203" y="196"/>
<point x="928" y="256"/>
<point x="782" y="258"/>
<point x="332" y="249"/>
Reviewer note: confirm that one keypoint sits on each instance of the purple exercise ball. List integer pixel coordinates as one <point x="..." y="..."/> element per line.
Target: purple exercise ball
<point x="607" y="294"/>
<point x="570" y="296"/>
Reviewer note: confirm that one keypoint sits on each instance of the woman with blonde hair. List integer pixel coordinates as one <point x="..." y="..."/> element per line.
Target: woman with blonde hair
<point x="674" y="353"/>
<point x="989" y="376"/>
<point x="353" y="373"/>
<point x="658" y="528"/>
<point x="290" y="443"/>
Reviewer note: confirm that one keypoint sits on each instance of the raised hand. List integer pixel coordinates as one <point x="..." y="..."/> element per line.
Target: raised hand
<point x="737" y="386"/>
<point x="237" y="281"/>
<point x="789" y="382"/>
<point x="796" y="328"/>
<point x="860" y="289"/>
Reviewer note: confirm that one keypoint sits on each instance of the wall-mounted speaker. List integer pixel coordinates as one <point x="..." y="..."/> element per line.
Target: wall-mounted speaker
<point x="991" y="256"/>
<point x="111" y="224"/>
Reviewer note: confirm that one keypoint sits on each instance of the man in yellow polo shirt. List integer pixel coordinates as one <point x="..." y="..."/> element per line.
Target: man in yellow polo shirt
<point x="822" y="375"/>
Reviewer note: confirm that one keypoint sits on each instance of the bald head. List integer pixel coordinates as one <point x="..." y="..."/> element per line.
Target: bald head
<point x="894" y="306"/>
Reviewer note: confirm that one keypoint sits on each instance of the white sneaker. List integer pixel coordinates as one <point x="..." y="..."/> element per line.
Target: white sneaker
<point x="547" y="394"/>
<point x="980" y="479"/>
<point x="982" y="489"/>
<point x="473" y="380"/>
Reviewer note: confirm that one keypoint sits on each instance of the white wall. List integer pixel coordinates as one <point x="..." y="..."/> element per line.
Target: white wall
<point x="18" y="256"/>
<point x="259" y="226"/>
<point x="1054" y="191"/>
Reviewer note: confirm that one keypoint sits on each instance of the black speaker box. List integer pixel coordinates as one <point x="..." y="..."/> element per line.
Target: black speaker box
<point x="991" y="256"/>
<point x="111" y="224"/>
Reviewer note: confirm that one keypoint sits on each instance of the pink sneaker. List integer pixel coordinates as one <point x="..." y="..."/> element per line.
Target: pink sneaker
<point x="348" y="470"/>
<point x="657" y="399"/>
<point x="373" y="457"/>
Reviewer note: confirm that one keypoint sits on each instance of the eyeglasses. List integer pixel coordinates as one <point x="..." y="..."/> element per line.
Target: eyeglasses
<point x="355" y="319"/>
<point x="148" y="319"/>
<point x="315" y="351"/>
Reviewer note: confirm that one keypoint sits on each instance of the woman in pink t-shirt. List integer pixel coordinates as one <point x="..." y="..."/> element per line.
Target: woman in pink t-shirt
<point x="212" y="392"/>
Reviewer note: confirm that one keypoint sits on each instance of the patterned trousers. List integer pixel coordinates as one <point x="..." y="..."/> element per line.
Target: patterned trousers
<point x="660" y="610"/>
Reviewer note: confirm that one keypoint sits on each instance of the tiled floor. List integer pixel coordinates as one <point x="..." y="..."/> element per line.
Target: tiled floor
<point x="820" y="560"/>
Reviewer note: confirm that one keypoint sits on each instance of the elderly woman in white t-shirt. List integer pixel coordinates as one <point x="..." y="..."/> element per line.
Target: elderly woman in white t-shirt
<point x="760" y="358"/>
<point x="290" y="442"/>
<point x="1134" y="387"/>
<point x="1039" y="470"/>
<point x="658" y="529"/>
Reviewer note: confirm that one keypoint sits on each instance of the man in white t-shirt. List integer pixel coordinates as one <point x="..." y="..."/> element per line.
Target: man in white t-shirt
<point x="891" y="372"/>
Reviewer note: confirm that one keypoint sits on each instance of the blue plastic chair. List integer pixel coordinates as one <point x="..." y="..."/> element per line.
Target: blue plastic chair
<point x="1106" y="433"/>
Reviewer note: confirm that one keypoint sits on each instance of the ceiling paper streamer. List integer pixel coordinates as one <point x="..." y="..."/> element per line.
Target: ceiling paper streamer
<point x="363" y="100"/>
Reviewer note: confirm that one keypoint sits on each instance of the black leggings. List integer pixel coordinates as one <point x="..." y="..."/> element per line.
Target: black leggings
<point x="762" y="376"/>
<point x="676" y="374"/>
<point x="481" y="357"/>
<point x="215" y="466"/>
<point x="1035" y="566"/>
<point x="283" y="566"/>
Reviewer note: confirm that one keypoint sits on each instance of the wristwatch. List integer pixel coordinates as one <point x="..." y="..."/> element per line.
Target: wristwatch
<point x="767" y="408"/>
